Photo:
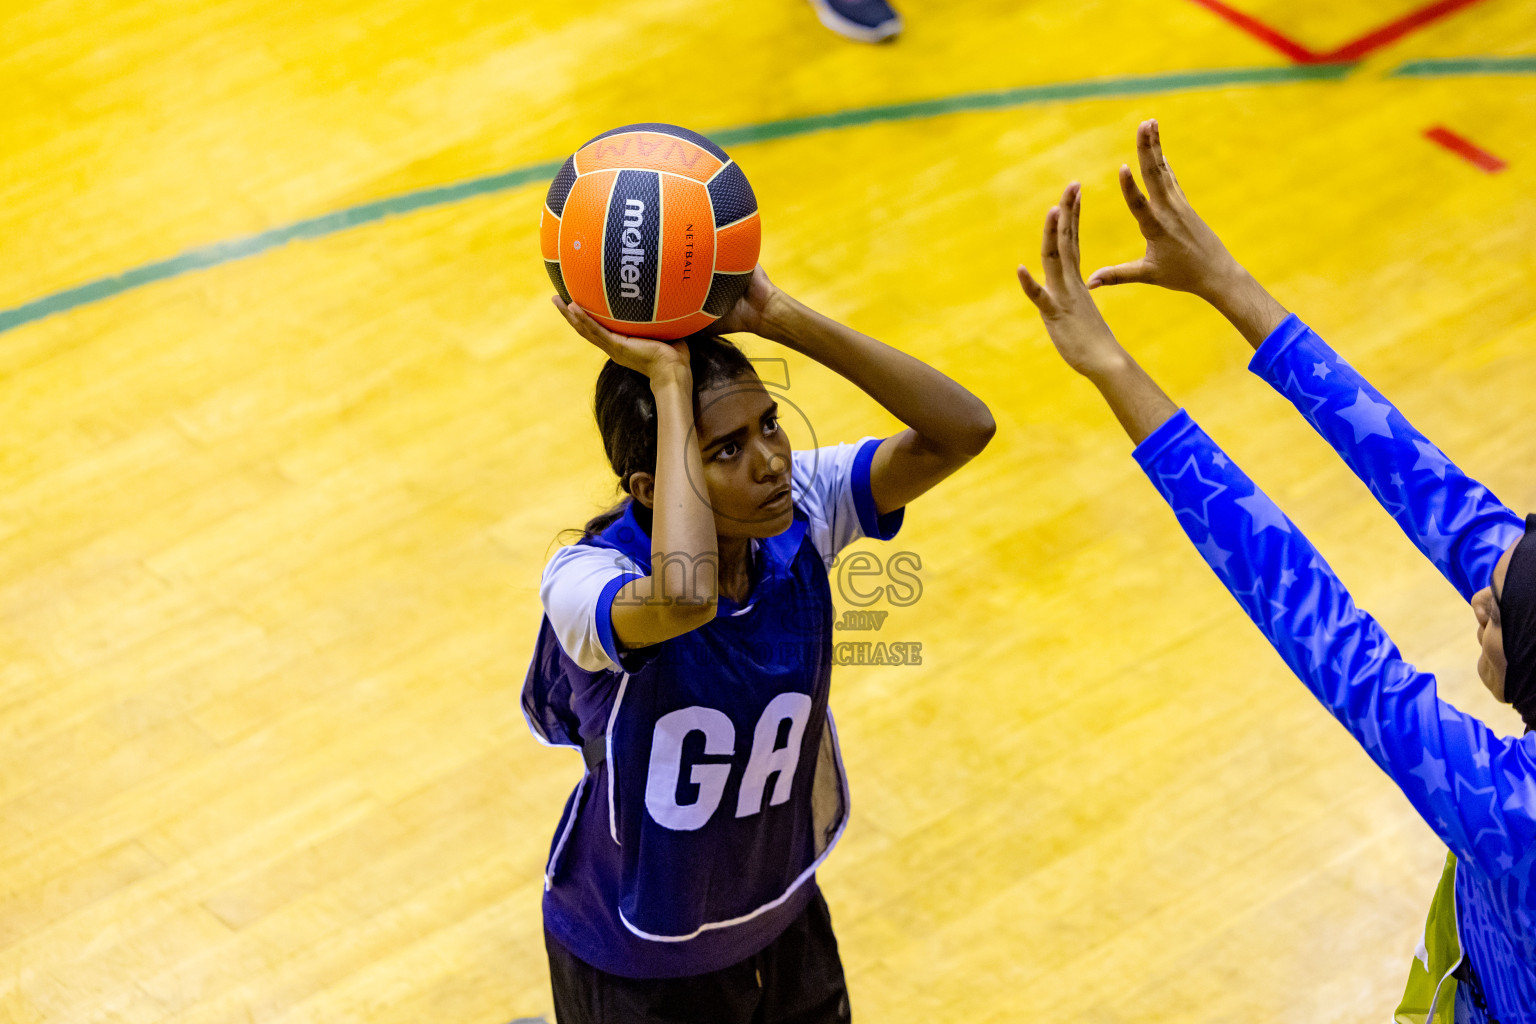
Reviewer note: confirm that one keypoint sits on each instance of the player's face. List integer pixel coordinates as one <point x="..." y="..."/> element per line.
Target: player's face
<point x="1490" y="631"/>
<point x="746" y="458"/>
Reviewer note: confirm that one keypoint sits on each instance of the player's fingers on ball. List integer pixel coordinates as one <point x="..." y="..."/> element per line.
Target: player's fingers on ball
<point x="591" y="329"/>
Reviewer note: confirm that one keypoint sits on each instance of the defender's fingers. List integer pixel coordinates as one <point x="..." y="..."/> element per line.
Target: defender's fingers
<point x="1134" y="272"/>
<point x="1050" y="251"/>
<point x="1038" y="295"/>
<point x="1067" y="231"/>
<point x="1154" y="171"/>
<point x="1162" y="159"/>
<point x="1137" y="203"/>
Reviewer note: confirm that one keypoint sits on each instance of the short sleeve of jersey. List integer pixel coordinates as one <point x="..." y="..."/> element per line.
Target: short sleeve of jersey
<point x="831" y="485"/>
<point x="577" y="590"/>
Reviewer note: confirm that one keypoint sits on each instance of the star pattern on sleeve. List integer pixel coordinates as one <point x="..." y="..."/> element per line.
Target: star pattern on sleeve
<point x="1215" y="555"/>
<point x="1320" y="370"/>
<point x="1522" y="793"/>
<point x="1395" y="509"/>
<point x="1179" y="492"/>
<point x="1313" y="403"/>
<point x="1367" y="417"/>
<point x="1263" y="513"/>
<point x="1430" y="458"/>
<point x="1316" y="643"/>
<point x="1501" y="536"/>
<point x="1256" y="597"/>
<point x="1437" y="545"/>
<point x="1432" y="771"/>
<point x="1370" y="730"/>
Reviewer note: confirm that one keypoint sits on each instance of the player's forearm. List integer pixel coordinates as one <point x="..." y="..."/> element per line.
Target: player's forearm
<point x="683" y="527"/>
<point x="1133" y="396"/>
<point x="1246" y="304"/>
<point x="1441" y="758"/>
<point x="1455" y="521"/>
<point x="948" y="417"/>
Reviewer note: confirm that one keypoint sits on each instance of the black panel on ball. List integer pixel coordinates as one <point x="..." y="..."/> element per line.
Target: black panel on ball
<point x="731" y="196"/>
<point x="553" y="266"/>
<point x="724" y="290"/>
<point x="560" y="188"/>
<point x="631" y="246"/>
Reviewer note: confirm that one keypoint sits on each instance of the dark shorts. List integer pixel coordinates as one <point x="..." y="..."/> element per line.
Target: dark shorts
<point x="797" y="979"/>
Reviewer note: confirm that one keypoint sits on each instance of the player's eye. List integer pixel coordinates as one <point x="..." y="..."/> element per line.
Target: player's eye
<point x="771" y="425"/>
<point x="727" y="452"/>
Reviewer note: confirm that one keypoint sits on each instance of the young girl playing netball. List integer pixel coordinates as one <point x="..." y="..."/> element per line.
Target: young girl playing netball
<point x="687" y="649"/>
<point x="1476" y="789"/>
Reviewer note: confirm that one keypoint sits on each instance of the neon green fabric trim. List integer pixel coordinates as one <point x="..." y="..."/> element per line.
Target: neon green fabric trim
<point x="1430" y="997"/>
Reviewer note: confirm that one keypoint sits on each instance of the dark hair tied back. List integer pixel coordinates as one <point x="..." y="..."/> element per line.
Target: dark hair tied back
<point x="626" y="415"/>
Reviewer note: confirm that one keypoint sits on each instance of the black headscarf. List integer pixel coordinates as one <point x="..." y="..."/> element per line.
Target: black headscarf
<point x="1517" y="613"/>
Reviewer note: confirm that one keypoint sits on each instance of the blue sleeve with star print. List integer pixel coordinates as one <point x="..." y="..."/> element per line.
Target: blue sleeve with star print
<point x="1457" y="522"/>
<point x="1475" y="789"/>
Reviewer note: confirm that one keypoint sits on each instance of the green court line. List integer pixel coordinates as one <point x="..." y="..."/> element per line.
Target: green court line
<point x="1441" y="66"/>
<point x="203" y="257"/>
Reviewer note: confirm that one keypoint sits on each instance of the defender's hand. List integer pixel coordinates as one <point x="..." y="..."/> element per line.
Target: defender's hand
<point x="1183" y="254"/>
<point x="1071" y="318"/>
<point x="658" y="360"/>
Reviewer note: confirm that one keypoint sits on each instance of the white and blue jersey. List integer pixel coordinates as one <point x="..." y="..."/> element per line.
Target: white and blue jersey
<point x="716" y="787"/>
<point x="1477" y="790"/>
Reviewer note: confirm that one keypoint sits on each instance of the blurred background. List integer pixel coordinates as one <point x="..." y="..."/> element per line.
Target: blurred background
<point x="290" y="429"/>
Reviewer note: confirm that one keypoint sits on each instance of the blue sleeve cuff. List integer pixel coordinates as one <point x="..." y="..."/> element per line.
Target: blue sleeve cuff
<point x="1281" y="338"/>
<point x="605" y="614"/>
<point x="1163" y="438"/>
<point x="880" y="527"/>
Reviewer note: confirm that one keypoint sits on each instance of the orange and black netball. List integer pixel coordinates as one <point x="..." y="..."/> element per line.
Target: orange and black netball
<point x="652" y="229"/>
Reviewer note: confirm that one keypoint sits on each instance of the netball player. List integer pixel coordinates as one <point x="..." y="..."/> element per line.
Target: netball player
<point x="687" y="647"/>
<point x="1476" y="789"/>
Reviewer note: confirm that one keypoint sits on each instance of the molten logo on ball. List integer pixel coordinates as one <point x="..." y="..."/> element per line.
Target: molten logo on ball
<point x="634" y="256"/>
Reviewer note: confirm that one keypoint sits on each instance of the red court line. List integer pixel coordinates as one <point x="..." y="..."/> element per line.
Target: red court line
<point x="1465" y="148"/>
<point x="1410" y="22"/>
<point x="1260" y="31"/>
<point x="1354" y="50"/>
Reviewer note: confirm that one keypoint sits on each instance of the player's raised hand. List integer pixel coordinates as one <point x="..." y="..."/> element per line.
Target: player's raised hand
<point x="751" y="311"/>
<point x="1071" y="317"/>
<point x="1182" y="254"/>
<point x="655" y="359"/>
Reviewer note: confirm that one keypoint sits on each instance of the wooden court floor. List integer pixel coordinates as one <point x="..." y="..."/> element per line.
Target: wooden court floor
<point x="279" y="472"/>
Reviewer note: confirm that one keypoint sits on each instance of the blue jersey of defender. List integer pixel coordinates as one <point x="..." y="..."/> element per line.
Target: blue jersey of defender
<point x="693" y="841"/>
<point x="1476" y="789"/>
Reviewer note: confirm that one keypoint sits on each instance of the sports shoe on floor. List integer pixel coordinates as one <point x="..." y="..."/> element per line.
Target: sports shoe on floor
<point x="868" y="21"/>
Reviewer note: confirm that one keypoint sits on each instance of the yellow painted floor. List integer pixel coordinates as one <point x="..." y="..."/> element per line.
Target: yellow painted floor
<point x="271" y="530"/>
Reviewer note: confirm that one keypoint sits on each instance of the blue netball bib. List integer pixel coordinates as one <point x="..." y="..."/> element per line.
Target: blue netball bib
<point x="722" y="787"/>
